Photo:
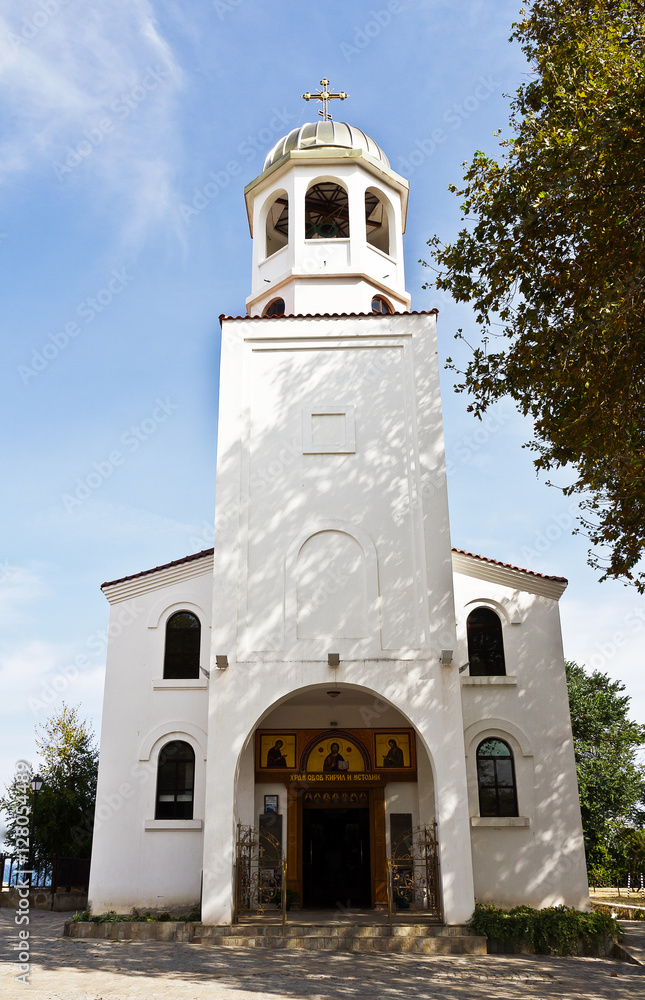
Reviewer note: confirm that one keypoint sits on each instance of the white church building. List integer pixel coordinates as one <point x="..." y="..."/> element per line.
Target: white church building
<point x="333" y="679"/>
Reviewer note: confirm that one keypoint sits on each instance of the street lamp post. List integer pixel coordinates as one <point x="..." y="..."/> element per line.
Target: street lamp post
<point x="36" y="785"/>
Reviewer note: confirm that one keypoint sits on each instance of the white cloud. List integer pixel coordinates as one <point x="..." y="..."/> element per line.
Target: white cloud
<point x="91" y="93"/>
<point x="19" y="588"/>
<point x="38" y="675"/>
<point x="23" y="671"/>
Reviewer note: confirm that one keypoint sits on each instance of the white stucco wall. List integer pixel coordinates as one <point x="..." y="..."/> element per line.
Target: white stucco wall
<point x="538" y="858"/>
<point x="137" y="861"/>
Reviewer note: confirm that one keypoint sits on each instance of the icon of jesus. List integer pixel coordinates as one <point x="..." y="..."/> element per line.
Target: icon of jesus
<point x="333" y="759"/>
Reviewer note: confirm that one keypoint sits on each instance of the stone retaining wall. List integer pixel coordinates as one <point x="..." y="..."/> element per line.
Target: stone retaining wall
<point x="604" y="948"/>
<point x="132" y="930"/>
<point x="41" y="899"/>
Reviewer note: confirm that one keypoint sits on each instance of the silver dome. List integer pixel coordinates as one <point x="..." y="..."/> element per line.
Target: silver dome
<point x="326" y="133"/>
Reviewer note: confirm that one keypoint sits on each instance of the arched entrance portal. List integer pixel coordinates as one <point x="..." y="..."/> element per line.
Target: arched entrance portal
<point x="339" y="777"/>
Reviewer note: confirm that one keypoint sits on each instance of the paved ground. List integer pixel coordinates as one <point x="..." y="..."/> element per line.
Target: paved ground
<point x="66" y="969"/>
<point x="634" y="940"/>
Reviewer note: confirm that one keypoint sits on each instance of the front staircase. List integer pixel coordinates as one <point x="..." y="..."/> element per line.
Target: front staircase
<point x="413" y="939"/>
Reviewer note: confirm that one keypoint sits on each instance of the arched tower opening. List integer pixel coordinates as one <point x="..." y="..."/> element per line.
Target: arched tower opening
<point x="275" y="307"/>
<point x="377" y="222"/>
<point x="277" y="224"/>
<point x="326" y="211"/>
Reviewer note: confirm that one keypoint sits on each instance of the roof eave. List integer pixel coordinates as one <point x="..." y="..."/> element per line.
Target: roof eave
<point x="508" y="575"/>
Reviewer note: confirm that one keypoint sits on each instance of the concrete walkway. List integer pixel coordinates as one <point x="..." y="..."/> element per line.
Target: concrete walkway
<point x="634" y="941"/>
<point x="68" y="969"/>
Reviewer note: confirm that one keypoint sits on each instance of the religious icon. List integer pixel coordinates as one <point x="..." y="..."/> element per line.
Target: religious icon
<point x="334" y="759"/>
<point x="278" y="751"/>
<point x="275" y="757"/>
<point x="394" y="756"/>
<point x="392" y="749"/>
<point x="335" y="755"/>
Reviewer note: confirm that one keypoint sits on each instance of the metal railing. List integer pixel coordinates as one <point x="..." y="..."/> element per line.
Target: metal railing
<point x="413" y="874"/>
<point x="260" y="874"/>
<point x="47" y="873"/>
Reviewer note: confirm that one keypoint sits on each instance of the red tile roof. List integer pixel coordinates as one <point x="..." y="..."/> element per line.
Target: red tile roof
<point x="209" y="552"/>
<point x="155" y="569"/>
<point x="496" y="562"/>
<point x="422" y="312"/>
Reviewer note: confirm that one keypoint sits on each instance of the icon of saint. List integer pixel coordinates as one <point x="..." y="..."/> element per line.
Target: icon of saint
<point x="394" y="756"/>
<point x="333" y="758"/>
<point x="275" y="757"/>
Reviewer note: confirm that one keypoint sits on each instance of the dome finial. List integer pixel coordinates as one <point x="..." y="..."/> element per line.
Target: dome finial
<point x="325" y="95"/>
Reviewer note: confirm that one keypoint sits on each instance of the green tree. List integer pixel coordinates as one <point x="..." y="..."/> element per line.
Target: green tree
<point x="634" y="845"/>
<point x="611" y="782"/>
<point x="554" y="264"/>
<point x="65" y="805"/>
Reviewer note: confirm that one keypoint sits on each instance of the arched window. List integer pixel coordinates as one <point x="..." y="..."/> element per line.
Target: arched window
<point x="183" y="634"/>
<point x="485" y="644"/>
<point x="326" y="212"/>
<point x="275" y="308"/>
<point x="277" y="225"/>
<point x="496" y="779"/>
<point x="175" y="781"/>
<point x="377" y="227"/>
<point x="381" y="305"/>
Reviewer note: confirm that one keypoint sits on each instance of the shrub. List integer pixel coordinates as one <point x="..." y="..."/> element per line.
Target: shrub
<point x="556" y="930"/>
<point x="112" y="917"/>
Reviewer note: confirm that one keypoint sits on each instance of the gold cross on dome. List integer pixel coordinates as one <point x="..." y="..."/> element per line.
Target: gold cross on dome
<point x="325" y="95"/>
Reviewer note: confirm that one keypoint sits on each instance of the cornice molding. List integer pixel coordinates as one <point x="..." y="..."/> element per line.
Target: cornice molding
<point x="154" y="579"/>
<point x="508" y="576"/>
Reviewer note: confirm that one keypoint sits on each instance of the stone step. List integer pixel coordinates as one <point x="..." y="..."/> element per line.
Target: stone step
<point x="334" y="930"/>
<point x="449" y="944"/>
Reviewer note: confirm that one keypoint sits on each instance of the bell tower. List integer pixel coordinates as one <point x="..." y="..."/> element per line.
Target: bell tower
<point x="327" y="216"/>
<point x="332" y="559"/>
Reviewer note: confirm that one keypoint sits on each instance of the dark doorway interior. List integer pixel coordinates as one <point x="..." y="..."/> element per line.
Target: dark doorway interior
<point x="336" y="858"/>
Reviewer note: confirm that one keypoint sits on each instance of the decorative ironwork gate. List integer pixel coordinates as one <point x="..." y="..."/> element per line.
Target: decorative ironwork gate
<point x="413" y="873"/>
<point x="260" y="873"/>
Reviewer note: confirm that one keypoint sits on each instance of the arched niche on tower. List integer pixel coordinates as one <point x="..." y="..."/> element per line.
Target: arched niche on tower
<point x="326" y="210"/>
<point x="276" y="225"/>
<point x="379" y="217"/>
<point x="331" y="592"/>
<point x="331" y="587"/>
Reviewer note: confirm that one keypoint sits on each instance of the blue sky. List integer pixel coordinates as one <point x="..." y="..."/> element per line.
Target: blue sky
<point x="115" y="118"/>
